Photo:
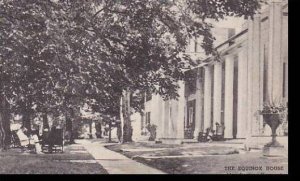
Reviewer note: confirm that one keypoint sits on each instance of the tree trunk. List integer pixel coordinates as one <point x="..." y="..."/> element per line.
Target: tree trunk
<point x="91" y="135"/>
<point x="2" y="132"/>
<point x="127" y="128"/>
<point x="119" y="132"/>
<point x="69" y="128"/>
<point x="5" y="133"/>
<point x="98" y="128"/>
<point x="45" y="122"/>
<point x="109" y="132"/>
<point x="26" y="120"/>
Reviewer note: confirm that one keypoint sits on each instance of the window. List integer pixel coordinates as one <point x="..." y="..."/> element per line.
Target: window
<point x="190" y="122"/>
<point x="191" y="81"/>
<point x="191" y="114"/>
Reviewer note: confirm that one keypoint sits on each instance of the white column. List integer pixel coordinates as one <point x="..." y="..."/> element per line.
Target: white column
<point x="217" y="93"/>
<point x="180" y="111"/>
<point x="166" y="119"/>
<point x="160" y="126"/>
<point x="154" y="109"/>
<point x="256" y="78"/>
<point x="207" y="97"/>
<point x="198" y="110"/>
<point x="228" y="113"/>
<point x="163" y="115"/>
<point x="249" y="75"/>
<point x="274" y="56"/>
<point x="171" y="119"/>
<point x="242" y="94"/>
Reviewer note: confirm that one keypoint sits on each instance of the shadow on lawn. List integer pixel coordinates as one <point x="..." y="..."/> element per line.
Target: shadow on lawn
<point x="69" y="162"/>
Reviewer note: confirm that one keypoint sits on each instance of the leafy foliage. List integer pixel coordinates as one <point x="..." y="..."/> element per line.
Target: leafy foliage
<point x="274" y="109"/>
<point x="55" y="55"/>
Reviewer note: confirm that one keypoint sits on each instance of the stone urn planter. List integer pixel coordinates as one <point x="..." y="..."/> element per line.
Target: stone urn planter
<point x="273" y="120"/>
<point x="273" y="116"/>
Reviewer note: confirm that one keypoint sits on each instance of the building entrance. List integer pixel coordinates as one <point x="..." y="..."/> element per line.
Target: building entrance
<point x="189" y="126"/>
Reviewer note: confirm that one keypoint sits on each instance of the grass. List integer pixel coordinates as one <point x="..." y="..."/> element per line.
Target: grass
<point x="14" y="162"/>
<point x="169" y="150"/>
<point x="216" y="164"/>
<point x="215" y="159"/>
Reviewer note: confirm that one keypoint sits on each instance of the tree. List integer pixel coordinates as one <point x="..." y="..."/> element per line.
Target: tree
<point x="38" y="72"/>
<point x="27" y="56"/>
<point x="53" y="50"/>
<point x="142" y="43"/>
<point x="5" y="134"/>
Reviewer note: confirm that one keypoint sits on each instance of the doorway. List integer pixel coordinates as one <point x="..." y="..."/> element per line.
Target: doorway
<point x="189" y="127"/>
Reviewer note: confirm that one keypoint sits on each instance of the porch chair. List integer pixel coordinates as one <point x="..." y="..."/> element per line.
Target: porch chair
<point x="53" y="141"/>
<point x="24" y="144"/>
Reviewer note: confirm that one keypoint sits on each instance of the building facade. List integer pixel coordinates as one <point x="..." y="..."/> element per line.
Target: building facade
<point x="252" y="70"/>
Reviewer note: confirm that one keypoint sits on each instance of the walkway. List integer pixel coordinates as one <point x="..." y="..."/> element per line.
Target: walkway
<point x="114" y="162"/>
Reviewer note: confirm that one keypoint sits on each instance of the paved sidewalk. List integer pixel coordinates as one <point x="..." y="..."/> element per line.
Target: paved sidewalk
<point x="114" y="162"/>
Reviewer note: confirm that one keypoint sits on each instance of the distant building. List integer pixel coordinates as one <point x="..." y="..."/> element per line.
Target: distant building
<point x="254" y="64"/>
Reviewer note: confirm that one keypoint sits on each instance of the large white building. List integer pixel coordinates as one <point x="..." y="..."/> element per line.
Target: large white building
<point x="253" y="68"/>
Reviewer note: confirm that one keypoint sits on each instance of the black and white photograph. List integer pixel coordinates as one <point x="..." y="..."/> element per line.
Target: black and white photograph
<point x="144" y="87"/>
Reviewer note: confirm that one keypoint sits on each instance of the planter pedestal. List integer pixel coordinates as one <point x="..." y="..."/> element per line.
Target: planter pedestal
<point x="273" y="151"/>
<point x="274" y="148"/>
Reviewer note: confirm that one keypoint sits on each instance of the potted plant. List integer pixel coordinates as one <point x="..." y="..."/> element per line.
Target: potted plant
<point x="273" y="115"/>
<point x="152" y="129"/>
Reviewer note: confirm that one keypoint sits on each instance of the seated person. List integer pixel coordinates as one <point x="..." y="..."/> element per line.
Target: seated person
<point x="31" y="140"/>
<point x="34" y="137"/>
<point x="219" y="132"/>
<point x="210" y="134"/>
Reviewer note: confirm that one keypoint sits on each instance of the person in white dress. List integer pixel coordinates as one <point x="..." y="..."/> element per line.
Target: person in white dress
<point x="36" y="141"/>
<point x="25" y="140"/>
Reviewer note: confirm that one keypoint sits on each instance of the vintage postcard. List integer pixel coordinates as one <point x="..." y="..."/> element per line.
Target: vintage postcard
<point x="144" y="87"/>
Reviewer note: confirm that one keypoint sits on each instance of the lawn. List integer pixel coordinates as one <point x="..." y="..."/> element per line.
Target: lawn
<point x="218" y="164"/>
<point x="214" y="160"/>
<point x="74" y="160"/>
